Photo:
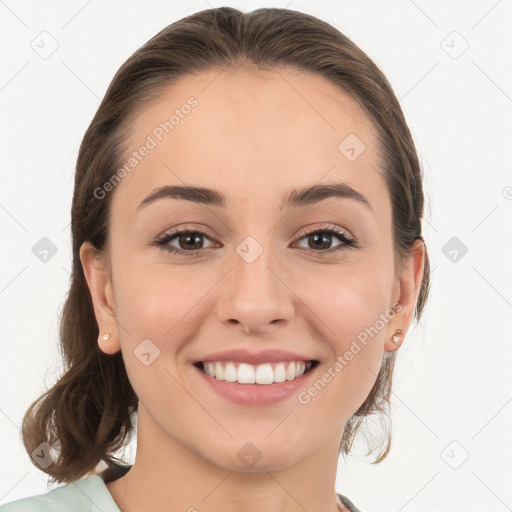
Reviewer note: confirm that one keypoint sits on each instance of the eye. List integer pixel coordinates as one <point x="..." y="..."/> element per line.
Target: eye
<point x="188" y="240"/>
<point x="322" y="237"/>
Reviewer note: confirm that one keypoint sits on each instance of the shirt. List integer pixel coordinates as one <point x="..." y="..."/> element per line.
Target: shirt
<point x="89" y="494"/>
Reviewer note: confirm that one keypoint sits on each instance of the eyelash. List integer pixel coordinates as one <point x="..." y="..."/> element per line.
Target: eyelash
<point x="348" y="242"/>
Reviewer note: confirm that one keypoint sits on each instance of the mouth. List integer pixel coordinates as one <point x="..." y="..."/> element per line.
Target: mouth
<point x="274" y="372"/>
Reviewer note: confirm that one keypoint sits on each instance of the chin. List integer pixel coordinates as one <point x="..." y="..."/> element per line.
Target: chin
<point x="258" y="457"/>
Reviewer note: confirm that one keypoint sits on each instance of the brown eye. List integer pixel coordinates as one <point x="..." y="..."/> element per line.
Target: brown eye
<point x="189" y="242"/>
<point x="320" y="240"/>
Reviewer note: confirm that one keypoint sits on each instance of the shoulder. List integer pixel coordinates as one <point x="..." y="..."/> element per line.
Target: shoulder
<point x="85" y="495"/>
<point x="343" y="500"/>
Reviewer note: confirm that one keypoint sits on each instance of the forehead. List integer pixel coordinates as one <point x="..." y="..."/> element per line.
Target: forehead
<point x="253" y="134"/>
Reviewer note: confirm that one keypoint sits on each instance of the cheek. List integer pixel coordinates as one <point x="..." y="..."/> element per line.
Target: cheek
<point x="359" y="308"/>
<point x="351" y="298"/>
<point x="354" y="308"/>
<point x="153" y="299"/>
<point x="157" y="308"/>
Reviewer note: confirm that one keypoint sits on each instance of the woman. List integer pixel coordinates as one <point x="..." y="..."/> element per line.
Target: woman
<point x="248" y="257"/>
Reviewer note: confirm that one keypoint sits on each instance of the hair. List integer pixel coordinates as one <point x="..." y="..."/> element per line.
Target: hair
<point x="87" y="415"/>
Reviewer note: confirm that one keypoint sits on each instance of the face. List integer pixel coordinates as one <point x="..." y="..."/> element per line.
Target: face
<point x="255" y="273"/>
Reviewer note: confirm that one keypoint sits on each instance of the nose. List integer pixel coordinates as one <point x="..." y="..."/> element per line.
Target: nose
<point x="254" y="296"/>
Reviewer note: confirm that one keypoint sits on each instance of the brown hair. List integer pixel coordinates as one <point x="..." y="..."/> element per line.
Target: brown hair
<point x="87" y="415"/>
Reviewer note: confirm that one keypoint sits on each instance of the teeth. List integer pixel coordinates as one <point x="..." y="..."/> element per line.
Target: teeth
<point x="262" y="374"/>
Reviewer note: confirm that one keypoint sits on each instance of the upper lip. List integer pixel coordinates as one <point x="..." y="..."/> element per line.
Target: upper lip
<point x="241" y="355"/>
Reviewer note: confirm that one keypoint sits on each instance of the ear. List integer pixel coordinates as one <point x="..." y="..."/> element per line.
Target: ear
<point x="99" y="282"/>
<point x="408" y="287"/>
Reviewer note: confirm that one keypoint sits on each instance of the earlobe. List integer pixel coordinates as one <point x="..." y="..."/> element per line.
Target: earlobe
<point x="100" y="287"/>
<point x="409" y="282"/>
<point x="107" y="344"/>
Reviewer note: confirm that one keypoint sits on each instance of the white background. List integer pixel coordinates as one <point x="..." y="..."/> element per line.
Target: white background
<point x="452" y="382"/>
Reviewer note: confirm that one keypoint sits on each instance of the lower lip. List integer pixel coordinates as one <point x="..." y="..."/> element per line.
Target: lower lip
<point x="256" y="394"/>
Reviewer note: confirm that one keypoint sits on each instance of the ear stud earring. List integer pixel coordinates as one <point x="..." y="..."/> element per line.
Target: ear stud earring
<point x="395" y="339"/>
<point x="105" y="336"/>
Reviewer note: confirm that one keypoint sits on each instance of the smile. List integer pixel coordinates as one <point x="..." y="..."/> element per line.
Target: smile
<point x="267" y="373"/>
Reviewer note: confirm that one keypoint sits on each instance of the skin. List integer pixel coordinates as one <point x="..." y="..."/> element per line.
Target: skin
<point x="254" y="136"/>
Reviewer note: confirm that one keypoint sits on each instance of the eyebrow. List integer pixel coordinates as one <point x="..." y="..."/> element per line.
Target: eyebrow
<point x="295" y="198"/>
